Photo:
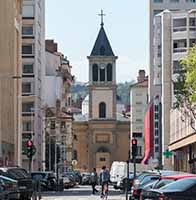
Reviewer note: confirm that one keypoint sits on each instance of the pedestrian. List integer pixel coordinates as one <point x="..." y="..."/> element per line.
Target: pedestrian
<point x="104" y="179"/>
<point x="94" y="179"/>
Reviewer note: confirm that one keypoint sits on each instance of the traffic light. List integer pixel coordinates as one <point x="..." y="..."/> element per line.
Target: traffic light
<point x="29" y="151"/>
<point x="134" y="147"/>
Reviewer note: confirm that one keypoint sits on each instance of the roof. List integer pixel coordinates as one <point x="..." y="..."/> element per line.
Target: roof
<point x="140" y="84"/>
<point x="102" y="45"/>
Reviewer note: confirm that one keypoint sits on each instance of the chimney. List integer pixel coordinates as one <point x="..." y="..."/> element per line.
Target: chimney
<point x="141" y="76"/>
<point x="51" y="46"/>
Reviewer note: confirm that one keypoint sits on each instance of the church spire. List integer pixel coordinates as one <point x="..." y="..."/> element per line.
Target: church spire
<point x="102" y="45"/>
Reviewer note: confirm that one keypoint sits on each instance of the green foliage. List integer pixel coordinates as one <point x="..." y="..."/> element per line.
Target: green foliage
<point x="189" y="64"/>
<point x="185" y="87"/>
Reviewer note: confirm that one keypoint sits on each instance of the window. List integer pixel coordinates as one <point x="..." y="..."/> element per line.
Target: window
<point x="27" y="49"/>
<point x="28" y="107"/>
<point x="102" y="110"/>
<point x="179" y="46"/>
<point x="102" y="74"/>
<point x="192" y="21"/>
<point x="156" y="108"/>
<point x="159" y="53"/>
<point x="179" y="24"/>
<point x="174" y="1"/>
<point x="102" y="159"/>
<point x="138" y="120"/>
<point x="95" y="72"/>
<point x="26" y="87"/>
<point x="27" y="30"/>
<point x="158" y="1"/>
<point x="109" y="72"/>
<point x="156" y="124"/>
<point x="75" y="155"/>
<point x="75" y="137"/>
<point x="156" y="132"/>
<point x="156" y="116"/>
<point x="192" y="42"/>
<point x="156" y="149"/>
<point x="157" y="141"/>
<point x="177" y="67"/>
<point x="28" y="11"/>
<point x="52" y="125"/>
<point x="27" y="68"/>
<point x="27" y="126"/>
<point x="138" y="102"/>
<point x="190" y="1"/>
<point x="137" y="134"/>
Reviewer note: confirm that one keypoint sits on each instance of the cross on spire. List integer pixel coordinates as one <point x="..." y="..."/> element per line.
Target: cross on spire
<point x="102" y="15"/>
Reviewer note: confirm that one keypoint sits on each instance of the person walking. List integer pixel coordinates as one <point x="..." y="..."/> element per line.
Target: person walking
<point x="94" y="179"/>
<point x="104" y="180"/>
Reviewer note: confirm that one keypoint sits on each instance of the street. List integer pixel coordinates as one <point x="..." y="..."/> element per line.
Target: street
<point x="82" y="193"/>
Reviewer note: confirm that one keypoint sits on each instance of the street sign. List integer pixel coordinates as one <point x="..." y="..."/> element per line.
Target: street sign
<point x="167" y="153"/>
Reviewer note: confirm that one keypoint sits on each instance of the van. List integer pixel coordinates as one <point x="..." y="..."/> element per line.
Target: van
<point x="118" y="171"/>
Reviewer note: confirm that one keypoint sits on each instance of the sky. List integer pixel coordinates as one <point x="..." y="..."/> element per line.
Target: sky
<point x="74" y="25"/>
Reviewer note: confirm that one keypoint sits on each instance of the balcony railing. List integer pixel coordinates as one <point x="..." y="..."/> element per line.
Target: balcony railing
<point x="179" y="29"/>
<point x="179" y="50"/>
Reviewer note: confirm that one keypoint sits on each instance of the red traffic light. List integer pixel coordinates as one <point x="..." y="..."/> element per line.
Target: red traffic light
<point x="134" y="142"/>
<point x="29" y="143"/>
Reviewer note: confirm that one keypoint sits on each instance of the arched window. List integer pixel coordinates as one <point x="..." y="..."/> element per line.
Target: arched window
<point x="75" y="155"/>
<point x="95" y="72"/>
<point x="102" y="74"/>
<point x="102" y="110"/>
<point x="109" y="72"/>
<point x="102" y="51"/>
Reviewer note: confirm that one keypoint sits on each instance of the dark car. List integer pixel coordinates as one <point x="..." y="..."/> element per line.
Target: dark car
<point x="141" y="181"/>
<point x="10" y="186"/>
<point x="47" y="180"/>
<point x="25" y="183"/>
<point x="183" y="189"/>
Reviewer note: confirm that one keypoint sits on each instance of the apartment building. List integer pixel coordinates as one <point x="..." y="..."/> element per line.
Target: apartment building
<point x="155" y="7"/>
<point x="33" y="65"/>
<point x="182" y="135"/>
<point x="57" y="101"/>
<point x="138" y="103"/>
<point x="10" y="82"/>
<point x="161" y="125"/>
<point x="174" y="34"/>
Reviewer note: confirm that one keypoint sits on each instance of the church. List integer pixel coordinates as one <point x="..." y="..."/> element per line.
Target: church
<point x="101" y="136"/>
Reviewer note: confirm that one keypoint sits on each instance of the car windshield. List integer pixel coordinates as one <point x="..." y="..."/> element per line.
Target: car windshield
<point x="18" y="173"/>
<point x="182" y="184"/>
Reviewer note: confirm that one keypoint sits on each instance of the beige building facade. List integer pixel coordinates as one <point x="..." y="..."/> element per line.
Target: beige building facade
<point x="102" y="136"/>
<point x="138" y="104"/>
<point x="10" y="82"/>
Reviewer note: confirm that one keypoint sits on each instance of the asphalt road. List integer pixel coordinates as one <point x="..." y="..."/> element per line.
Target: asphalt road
<point x="82" y="193"/>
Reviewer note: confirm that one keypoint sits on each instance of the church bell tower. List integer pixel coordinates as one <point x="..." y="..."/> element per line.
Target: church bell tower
<point x="102" y="79"/>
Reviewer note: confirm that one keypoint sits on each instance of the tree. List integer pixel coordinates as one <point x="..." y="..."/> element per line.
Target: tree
<point x="185" y="87"/>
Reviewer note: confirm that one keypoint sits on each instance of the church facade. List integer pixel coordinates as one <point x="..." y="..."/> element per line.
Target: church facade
<point x="103" y="136"/>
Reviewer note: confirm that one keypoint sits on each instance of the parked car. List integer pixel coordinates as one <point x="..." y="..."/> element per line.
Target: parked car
<point x="183" y="189"/>
<point x="86" y="178"/>
<point x="25" y="183"/>
<point x="3" y="192"/>
<point x="75" y="175"/>
<point x="141" y="181"/>
<point x="10" y="186"/>
<point x="165" y="180"/>
<point x="47" y="180"/>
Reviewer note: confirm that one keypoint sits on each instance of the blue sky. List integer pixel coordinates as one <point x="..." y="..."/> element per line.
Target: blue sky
<point x="74" y="25"/>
